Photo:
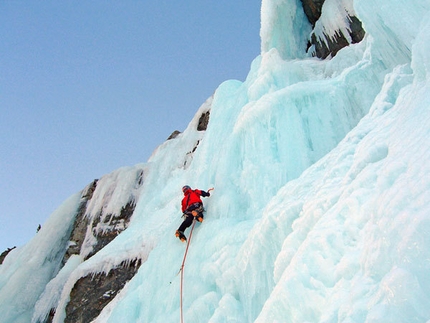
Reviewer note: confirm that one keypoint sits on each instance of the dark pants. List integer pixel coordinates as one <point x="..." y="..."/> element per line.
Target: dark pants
<point x="187" y="222"/>
<point x="189" y="216"/>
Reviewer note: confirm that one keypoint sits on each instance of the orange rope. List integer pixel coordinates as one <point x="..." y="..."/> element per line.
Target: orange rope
<point x="182" y="268"/>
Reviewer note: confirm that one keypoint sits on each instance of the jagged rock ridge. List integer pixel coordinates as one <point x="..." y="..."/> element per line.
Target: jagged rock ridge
<point x="89" y="235"/>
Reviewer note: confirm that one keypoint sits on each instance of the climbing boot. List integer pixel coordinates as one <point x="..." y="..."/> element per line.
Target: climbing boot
<point x="181" y="236"/>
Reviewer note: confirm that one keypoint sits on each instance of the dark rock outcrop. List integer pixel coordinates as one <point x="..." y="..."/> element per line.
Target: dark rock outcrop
<point x="112" y="225"/>
<point x="93" y="292"/>
<point x="312" y="9"/>
<point x="203" y="121"/>
<point x="174" y="134"/>
<point x="5" y="253"/>
<point x="80" y="227"/>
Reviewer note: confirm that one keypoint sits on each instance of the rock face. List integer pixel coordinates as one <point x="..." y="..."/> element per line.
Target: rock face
<point x="89" y="235"/>
<point x="174" y="134"/>
<point x="5" y="253"/>
<point x="203" y="121"/>
<point x="80" y="227"/>
<point x="313" y="9"/>
<point x="93" y="292"/>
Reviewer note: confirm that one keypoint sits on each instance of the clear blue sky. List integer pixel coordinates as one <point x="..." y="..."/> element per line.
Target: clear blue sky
<point x="87" y="87"/>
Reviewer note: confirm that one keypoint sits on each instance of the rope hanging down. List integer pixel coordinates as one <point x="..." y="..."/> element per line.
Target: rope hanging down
<point x="182" y="270"/>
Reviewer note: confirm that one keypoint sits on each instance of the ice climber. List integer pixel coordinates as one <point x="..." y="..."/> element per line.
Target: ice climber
<point x="192" y="208"/>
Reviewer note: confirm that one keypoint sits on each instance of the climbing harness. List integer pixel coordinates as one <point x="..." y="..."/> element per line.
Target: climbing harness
<point x="181" y="270"/>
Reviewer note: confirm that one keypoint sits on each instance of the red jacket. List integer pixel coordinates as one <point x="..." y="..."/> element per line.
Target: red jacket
<point x="191" y="197"/>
